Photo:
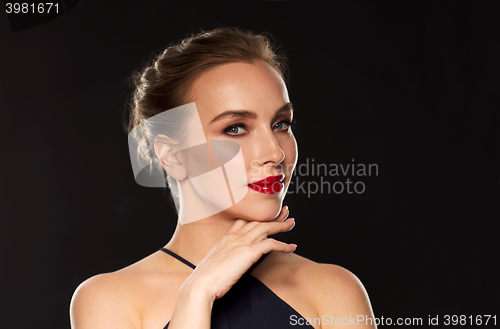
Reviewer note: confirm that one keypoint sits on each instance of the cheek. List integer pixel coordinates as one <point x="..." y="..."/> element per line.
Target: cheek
<point x="289" y="146"/>
<point x="249" y="158"/>
<point x="235" y="171"/>
<point x="222" y="187"/>
<point x="211" y="187"/>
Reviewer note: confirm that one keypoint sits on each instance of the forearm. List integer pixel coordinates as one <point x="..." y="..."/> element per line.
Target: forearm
<point x="193" y="309"/>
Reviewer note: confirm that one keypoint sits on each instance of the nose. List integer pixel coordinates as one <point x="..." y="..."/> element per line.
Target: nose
<point x="269" y="152"/>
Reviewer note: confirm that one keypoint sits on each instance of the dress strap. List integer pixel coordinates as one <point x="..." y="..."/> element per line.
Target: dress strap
<point x="188" y="263"/>
<point x="178" y="257"/>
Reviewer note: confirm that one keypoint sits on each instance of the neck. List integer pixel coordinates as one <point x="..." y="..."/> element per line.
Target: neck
<point x="193" y="241"/>
<point x="200" y="225"/>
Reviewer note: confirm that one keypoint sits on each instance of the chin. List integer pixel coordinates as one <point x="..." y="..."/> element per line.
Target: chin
<point x="255" y="207"/>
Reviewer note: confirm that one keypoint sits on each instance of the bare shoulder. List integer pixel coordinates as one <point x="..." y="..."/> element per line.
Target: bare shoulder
<point x="306" y="269"/>
<point x="331" y="276"/>
<point x="104" y="301"/>
<point x="339" y="296"/>
<point x="141" y="295"/>
<point x="339" y="285"/>
<point x="333" y="290"/>
<point x="284" y="267"/>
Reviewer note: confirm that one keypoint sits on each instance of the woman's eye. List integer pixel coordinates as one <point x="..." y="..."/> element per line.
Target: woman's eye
<point x="235" y="130"/>
<point x="282" y="125"/>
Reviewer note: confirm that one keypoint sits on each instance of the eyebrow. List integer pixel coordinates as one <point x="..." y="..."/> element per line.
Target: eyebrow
<point x="249" y="114"/>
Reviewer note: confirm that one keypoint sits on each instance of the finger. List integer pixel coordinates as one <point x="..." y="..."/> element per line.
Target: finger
<point x="284" y="212"/>
<point x="271" y="244"/>
<point x="284" y="215"/>
<point x="249" y="226"/>
<point x="243" y="229"/>
<point x="238" y="224"/>
<point x="262" y="230"/>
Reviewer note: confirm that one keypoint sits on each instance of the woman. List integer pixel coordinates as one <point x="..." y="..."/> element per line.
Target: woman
<point x="242" y="279"/>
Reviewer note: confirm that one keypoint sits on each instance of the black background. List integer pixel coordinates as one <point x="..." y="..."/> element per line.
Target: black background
<point x="409" y="86"/>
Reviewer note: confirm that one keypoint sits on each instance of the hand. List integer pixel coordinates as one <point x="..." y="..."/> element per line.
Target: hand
<point x="237" y="251"/>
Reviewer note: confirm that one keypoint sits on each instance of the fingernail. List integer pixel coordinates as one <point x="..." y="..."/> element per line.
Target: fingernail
<point x="285" y="207"/>
<point x="290" y="219"/>
<point x="293" y="245"/>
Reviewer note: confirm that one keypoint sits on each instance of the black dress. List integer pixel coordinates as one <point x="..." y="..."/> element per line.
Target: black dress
<point x="250" y="304"/>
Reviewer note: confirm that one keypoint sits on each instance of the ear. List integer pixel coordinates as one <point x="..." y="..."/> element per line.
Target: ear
<point x="168" y="159"/>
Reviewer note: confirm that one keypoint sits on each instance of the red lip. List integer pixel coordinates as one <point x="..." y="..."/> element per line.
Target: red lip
<point x="268" y="185"/>
<point x="269" y="180"/>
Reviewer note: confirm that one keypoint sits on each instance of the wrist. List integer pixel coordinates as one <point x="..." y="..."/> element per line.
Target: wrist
<point x="193" y="308"/>
<point x="195" y="290"/>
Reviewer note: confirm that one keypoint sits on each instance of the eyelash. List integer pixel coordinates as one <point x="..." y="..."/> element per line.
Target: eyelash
<point x="290" y="124"/>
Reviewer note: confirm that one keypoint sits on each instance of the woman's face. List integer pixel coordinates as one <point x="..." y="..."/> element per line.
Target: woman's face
<point x="248" y="104"/>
